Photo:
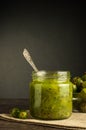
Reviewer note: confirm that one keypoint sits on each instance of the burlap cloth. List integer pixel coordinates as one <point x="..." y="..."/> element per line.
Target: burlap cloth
<point x="77" y="121"/>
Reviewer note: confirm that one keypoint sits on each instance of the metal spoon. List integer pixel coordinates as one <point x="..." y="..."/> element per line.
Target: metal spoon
<point x="28" y="58"/>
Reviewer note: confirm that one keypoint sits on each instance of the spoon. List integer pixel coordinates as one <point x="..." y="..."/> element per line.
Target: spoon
<point x="28" y="58"/>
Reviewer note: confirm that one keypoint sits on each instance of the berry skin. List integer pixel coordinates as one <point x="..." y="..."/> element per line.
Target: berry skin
<point x="23" y="114"/>
<point x="15" y="112"/>
<point x="84" y="77"/>
<point x="84" y="84"/>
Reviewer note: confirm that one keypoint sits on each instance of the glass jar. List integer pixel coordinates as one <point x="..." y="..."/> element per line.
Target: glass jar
<point x="51" y="95"/>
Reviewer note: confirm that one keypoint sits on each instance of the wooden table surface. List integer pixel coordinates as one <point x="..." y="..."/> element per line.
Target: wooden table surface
<point x="6" y="125"/>
<point x="7" y="104"/>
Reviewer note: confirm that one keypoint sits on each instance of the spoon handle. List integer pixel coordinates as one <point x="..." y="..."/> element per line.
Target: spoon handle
<point x="28" y="58"/>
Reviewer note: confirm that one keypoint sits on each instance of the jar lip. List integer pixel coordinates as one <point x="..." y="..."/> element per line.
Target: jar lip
<point x="57" y="73"/>
<point x="52" y="71"/>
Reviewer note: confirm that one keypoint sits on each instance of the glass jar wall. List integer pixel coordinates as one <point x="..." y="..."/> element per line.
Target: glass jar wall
<point x="51" y="95"/>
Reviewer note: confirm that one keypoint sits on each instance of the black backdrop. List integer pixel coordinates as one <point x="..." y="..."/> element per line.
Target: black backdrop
<point x="54" y="33"/>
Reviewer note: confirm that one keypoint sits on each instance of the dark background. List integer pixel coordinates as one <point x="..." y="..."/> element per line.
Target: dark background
<point x="55" y="35"/>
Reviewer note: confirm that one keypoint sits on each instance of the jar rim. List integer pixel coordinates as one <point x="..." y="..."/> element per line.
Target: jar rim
<point x="49" y="74"/>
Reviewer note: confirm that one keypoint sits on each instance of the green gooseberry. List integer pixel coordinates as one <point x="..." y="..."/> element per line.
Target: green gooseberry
<point x="84" y="84"/>
<point x="15" y="112"/>
<point x="84" y="77"/>
<point x="23" y="114"/>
